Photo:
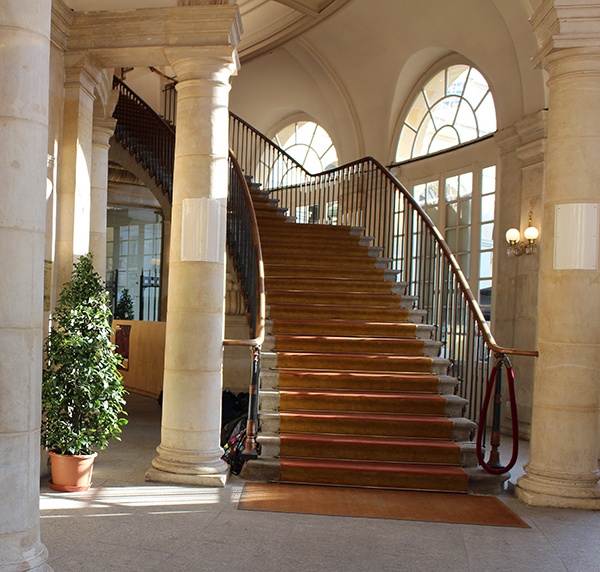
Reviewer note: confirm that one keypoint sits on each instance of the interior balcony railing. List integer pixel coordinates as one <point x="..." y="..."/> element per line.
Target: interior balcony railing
<point x="146" y="135"/>
<point x="367" y="195"/>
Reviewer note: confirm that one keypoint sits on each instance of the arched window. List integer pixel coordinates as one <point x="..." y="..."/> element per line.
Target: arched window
<point x="453" y="107"/>
<point x="309" y="144"/>
<point x="457" y="191"/>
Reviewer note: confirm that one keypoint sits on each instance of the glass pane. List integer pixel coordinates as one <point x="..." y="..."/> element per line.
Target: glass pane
<point x="417" y="112"/>
<point x="434" y="214"/>
<point x="451" y="236"/>
<point x="451" y="188"/>
<point x="435" y="88"/>
<point x="465" y="212"/>
<point x="488" y="180"/>
<point x="451" y="215"/>
<point x="433" y="192"/>
<point x="124" y="233"/>
<point x="444" y="112"/>
<point x="407" y="138"/>
<point x="486" y="115"/>
<point x="424" y="136"/>
<point x="485" y="297"/>
<point x="466" y="185"/>
<point x="133" y="248"/>
<point x="485" y="264"/>
<point x="464" y="263"/>
<point x="133" y="231"/>
<point x="464" y="239"/>
<point x="457" y="76"/>
<point x="487" y="236"/>
<point x="476" y="88"/>
<point x="123" y="248"/>
<point x="487" y="207"/>
<point x="444" y="138"/>
<point x="465" y="123"/>
<point x="419" y="193"/>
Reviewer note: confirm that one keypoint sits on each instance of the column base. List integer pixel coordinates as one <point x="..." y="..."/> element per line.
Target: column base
<point x="538" y="490"/>
<point x="205" y="472"/>
<point x="212" y="480"/>
<point x="35" y="563"/>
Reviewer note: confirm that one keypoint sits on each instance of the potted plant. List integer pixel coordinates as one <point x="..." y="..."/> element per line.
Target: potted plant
<point x="82" y="391"/>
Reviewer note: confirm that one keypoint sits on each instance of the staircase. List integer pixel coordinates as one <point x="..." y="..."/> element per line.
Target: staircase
<point x="352" y="391"/>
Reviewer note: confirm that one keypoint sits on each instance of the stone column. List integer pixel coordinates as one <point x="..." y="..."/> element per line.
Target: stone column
<point x="102" y="132"/>
<point x="75" y="165"/>
<point x="563" y="464"/>
<point x="25" y="53"/>
<point x="190" y="450"/>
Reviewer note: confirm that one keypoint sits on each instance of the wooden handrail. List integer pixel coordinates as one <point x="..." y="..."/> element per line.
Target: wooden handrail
<point x="259" y="335"/>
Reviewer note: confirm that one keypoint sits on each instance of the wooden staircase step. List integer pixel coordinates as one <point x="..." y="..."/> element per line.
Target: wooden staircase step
<point x="421" y="383"/>
<point x="361" y="401"/>
<point x="324" y="284"/>
<point x="370" y="474"/>
<point x="347" y="345"/>
<point x="353" y="362"/>
<point x="329" y="311"/>
<point x="296" y="270"/>
<point x="301" y="297"/>
<point x="361" y="423"/>
<point x="270" y="236"/>
<point x="359" y="328"/>
<point x="301" y="247"/>
<point x="305" y="229"/>
<point x="424" y="451"/>
<point x="311" y="258"/>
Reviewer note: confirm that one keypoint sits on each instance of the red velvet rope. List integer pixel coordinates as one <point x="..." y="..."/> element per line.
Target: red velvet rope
<point x="510" y="374"/>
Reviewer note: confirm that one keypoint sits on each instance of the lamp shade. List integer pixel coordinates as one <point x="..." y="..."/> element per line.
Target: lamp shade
<point x="513" y="235"/>
<point x="531" y="233"/>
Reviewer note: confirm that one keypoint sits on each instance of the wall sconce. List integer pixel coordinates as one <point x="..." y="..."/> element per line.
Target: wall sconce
<point x="513" y="236"/>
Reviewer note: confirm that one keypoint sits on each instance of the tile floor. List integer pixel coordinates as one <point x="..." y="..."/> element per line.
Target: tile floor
<point x="124" y="524"/>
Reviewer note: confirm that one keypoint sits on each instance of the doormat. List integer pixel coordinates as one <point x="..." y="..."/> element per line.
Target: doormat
<point x="453" y="508"/>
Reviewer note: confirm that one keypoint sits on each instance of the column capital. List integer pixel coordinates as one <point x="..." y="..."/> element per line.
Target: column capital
<point x="203" y="62"/>
<point x="560" y="24"/>
<point x="103" y="130"/>
<point x="83" y="71"/>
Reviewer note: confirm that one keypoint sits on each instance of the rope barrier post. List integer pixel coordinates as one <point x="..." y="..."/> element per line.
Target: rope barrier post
<point x="251" y="446"/>
<point x="495" y="438"/>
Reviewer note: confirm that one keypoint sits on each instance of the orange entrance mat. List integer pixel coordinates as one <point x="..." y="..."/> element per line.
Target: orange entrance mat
<point x="376" y="503"/>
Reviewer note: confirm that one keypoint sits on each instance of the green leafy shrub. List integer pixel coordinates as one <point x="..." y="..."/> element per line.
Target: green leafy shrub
<point x="82" y="390"/>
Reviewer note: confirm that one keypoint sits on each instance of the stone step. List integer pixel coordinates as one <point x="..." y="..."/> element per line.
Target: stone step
<point x="358" y="328"/>
<point x="272" y="401"/>
<point x="386" y="448"/>
<point x="348" y="344"/>
<point x="324" y="361"/>
<point x="373" y="424"/>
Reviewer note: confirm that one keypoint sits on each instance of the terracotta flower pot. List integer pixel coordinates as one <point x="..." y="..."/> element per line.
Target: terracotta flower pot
<point x="71" y="473"/>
